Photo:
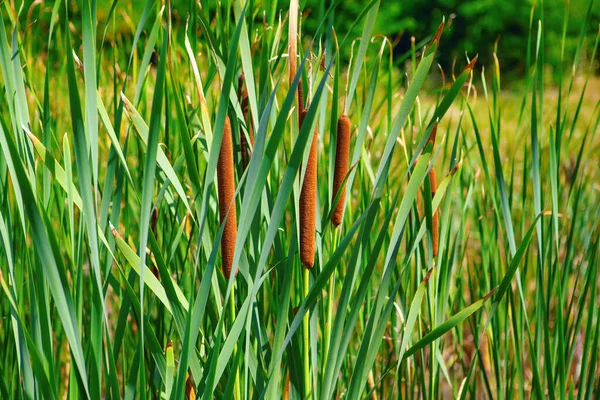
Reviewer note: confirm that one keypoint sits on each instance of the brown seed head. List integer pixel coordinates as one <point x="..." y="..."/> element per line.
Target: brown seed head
<point x="341" y="168"/>
<point x="226" y="189"/>
<point x="308" y="205"/>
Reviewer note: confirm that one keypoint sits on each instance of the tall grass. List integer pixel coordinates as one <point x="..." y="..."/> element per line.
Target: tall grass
<point x="141" y="172"/>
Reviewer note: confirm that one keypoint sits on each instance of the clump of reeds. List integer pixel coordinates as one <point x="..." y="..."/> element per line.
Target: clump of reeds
<point x="226" y="189"/>
<point x="244" y="148"/>
<point x="342" y="151"/>
<point x="308" y="204"/>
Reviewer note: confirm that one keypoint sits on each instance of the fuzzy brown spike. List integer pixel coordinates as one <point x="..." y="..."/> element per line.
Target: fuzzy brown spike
<point x="434" y="218"/>
<point x="341" y="168"/>
<point x="226" y="189"/>
<point x="308" y="204"/>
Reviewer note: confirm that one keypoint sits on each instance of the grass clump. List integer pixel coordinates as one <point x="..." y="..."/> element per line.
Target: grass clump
<point x="443" y="243"/>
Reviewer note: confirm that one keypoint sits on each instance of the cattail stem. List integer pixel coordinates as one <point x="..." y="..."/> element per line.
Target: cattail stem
<point x="341" y="169"/>
<point x="371" y="382"/>
<point x="286" y="388"/>
<point x="306" y="341"/>
<point x="308" y="205"/>
<point x="244" y="148"/>
<point x="330" y="297"/>
<point x="300" y="97"/>
<point x="226" y="189"/>
<point x="236" y="383"/>
<point x="434" y="218"/>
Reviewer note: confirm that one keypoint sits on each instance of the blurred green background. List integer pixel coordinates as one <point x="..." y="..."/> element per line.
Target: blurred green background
<point x="473" y="26"/>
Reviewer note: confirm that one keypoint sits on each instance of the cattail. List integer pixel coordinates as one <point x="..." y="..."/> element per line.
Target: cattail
<point x="226" y="188"/>
<point x="341" y="168"/>
<point x="245" y="149"/>
<point x="308" y="205"/>
<point x="434" y="218"/>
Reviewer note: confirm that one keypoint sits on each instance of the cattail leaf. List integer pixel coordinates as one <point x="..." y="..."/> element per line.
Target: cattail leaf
<point x="64" y="179"/>
<point x="148" y="187"/>
<point x="446" y="326"/>
<point x="56" y="170"/>
<point x="514" y="263"/>
<point x="365" y="39"/>
<point x="88" y="22"/>
<point x="113" y="137"/>
<point x="413" y="312"/>
<point x="62" y="297"/>
<point x="149" y="279"/>
<point x="170" y="370"/>
<point x="407" y="104"/>
<point x="161" y="158"/>
<point x="87" y="188"/>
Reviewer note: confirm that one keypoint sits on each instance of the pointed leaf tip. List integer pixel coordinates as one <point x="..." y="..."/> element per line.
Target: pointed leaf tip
<point x="427" y="276"/>
<point x="472" y="63"/>
<point x="487" y="296"/>
<point x="438" y="33"/>
<point x="31" y="136"/>
<point x="113" y="230"/>
<point x="433" y="133"/>
<point x="456" y="167"/>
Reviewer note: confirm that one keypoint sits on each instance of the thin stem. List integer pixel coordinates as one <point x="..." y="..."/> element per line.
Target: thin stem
<point x="238" y="394"/>
<point x="305" y="348"/>
<point x="330" y="297"/>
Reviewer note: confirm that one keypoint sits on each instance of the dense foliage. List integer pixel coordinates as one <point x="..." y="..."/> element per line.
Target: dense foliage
<point x="230" y="206"/>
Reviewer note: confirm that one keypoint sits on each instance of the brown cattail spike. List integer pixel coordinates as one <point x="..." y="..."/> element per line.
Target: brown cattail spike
<point x="308" y="205"/>
<point x="226" y="188"/>
<point x="434" y="219"/>
<point x="244" y="148"/>
<point x="341" y="168"/>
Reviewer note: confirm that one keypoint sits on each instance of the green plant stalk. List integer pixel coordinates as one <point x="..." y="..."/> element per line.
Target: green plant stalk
<point x="330" y="297"/>
<point x="237" y="391"/>
<point x="306" y="338"/>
